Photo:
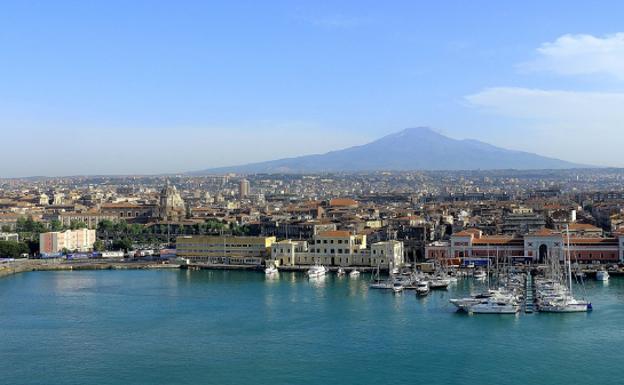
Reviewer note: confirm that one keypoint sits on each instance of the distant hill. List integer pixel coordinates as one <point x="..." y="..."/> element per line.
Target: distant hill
<point x="411" y="149"/>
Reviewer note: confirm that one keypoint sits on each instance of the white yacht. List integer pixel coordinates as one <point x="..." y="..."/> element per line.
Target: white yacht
<point x="480" y="274"/>
<point x="464" y="304"/>
<point x="354" y="274"/>
<point x="270" y="270"/>
<point x="494" y="306"/>
<point x="381" y="285"/>
<point x="439" y="283"/>
<point x="422" y="288"/>
<point x="397" y="287"/>
<point x="564" y="304"/>
<point x="317" y="271"/>
<point x="602" y="275"/>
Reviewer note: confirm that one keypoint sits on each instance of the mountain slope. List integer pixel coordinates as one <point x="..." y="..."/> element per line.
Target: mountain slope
<point x="411" y="149"/>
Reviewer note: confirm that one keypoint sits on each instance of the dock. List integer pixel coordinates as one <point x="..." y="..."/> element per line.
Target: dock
<point x="529" y="298"/>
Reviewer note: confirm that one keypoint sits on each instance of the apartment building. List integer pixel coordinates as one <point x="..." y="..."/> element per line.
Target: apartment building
<point x="73" y="240"/>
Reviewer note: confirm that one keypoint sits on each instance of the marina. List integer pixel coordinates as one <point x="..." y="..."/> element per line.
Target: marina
<point x="78" y="316"/>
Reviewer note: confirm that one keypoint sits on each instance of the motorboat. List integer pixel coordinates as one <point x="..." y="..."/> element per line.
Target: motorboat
<point x="494" y="306"/>
<point x="397" y="287"/>
<point x="382" y="285"/>
<point x="480" y="274"/>
<point x="564" y="304"/>
<point x="422" y="288"/>
<point x="354" y="274"/>
<point x="602" y="275"/>
<point x="439" y="283"/>
<point x="464" y="304"/>
<point x="270" y="270"/>
<point x="341" y="272"/>
<point x="317" y="271"/>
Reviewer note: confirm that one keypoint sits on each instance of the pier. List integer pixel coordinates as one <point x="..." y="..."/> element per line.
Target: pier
<point x="529" y="298"/>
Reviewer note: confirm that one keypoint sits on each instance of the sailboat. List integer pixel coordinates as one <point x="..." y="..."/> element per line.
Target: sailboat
<point x="554" y="296"/>
<point x="378" y="283"/>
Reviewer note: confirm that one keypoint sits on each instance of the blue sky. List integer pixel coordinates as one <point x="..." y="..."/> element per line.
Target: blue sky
<point x="115" y="87"/>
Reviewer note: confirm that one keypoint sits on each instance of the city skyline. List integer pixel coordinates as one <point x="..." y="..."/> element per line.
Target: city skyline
<point x="143" y="88"/>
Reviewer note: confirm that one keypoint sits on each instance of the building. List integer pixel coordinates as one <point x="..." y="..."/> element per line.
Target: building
<point x="535" y="247"/>
<point x="227" y="249"/>
<point x="73" y="240"/>
<point x="337" y="248"/>
<point x="523" y="221"/>
<point x="243" y="189"/>
<point x="91" y="219"/>
<point x="171" y="207"/>
<point x="130" y="212"/>
<point x="9" y="237"/>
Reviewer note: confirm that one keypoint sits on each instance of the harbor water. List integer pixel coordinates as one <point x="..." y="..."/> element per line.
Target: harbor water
<point x="229" y="327"/>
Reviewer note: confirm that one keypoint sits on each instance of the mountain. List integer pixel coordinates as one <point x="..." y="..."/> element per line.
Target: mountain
<point x="411" y="149"/>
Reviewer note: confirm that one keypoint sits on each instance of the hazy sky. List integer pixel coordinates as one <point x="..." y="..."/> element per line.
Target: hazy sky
<point x="92" y="87"/>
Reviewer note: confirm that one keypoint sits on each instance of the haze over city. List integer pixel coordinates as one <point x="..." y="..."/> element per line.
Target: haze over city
<point x="154" y="87"/>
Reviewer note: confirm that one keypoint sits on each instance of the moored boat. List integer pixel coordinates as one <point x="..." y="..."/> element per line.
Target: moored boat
<point x="317" y="271"/>
<point x="602" y="275"/>
<point x="422" y="288"/>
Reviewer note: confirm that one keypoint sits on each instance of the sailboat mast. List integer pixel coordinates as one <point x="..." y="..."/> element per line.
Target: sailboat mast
<point x="569" y="259"/>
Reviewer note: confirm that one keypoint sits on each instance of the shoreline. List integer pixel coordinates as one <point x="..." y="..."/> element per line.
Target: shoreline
<point x="35" y="265"/>
<point x="24" y="266"/>
<point x="27" y="265"/>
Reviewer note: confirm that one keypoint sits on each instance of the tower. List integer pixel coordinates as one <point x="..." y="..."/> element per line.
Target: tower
<point x="243" y="189"/>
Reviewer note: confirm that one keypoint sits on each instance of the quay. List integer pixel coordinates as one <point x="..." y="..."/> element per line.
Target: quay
<point x="296" y="269"/>
<point x="26" y="265"/>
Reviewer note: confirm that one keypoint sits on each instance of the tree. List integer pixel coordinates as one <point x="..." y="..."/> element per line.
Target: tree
<point x="56" y="225"/>
<point x="105" y="225"/>
<point x="6" y="228"/>
<point x="28" y="225"/>
<point x="12" y="249"/>
<point x="98" y="245"/>
<point x="124" y="244"/>
<point x="76" y="225"/>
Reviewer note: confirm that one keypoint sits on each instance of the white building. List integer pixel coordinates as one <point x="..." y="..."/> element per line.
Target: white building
<point x="9" y="237"/>
<point x="72" y="240"/>
<point x="337" y="248"/>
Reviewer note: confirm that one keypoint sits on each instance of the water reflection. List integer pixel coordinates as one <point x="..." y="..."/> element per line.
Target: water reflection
<point x="318" y="282"/>
<point x="272" y="278"/>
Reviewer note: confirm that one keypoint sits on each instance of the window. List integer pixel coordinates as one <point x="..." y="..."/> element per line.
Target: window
<point x="332" y="251"/>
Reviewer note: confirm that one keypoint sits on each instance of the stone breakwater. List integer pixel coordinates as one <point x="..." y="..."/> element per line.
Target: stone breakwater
<point x="21" y="266"/>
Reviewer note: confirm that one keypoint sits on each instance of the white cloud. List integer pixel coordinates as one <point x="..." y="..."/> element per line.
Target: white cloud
<point x="581" y="55"/>
<point x="581" y="126"/>
<point x="575" y="108"/>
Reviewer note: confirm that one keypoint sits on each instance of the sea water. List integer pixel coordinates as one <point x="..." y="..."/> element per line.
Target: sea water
<point x="229" y="327"/>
